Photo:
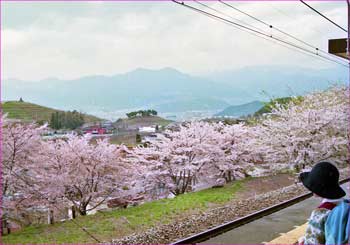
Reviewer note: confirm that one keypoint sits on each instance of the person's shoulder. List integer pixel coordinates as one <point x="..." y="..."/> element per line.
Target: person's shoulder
<point x="328" y="205"/>
<point x="319" y="214"/>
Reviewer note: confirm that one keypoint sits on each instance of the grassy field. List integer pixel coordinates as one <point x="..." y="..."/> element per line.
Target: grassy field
<point x="128" y="140"/>
<point x="144" y="121"/>
<point x="120" y="222"/>
<point x="28" y="112"/>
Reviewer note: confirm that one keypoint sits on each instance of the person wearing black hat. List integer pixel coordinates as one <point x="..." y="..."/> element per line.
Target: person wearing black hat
<point x="323" y="181"/>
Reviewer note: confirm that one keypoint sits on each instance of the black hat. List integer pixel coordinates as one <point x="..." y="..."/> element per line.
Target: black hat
<point x="323" y="180"/>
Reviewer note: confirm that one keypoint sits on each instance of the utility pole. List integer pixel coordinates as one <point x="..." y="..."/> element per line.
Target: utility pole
<point x="348" y="56"/>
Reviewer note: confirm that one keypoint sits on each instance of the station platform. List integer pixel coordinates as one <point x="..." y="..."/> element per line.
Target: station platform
<point x="290" y="237"/>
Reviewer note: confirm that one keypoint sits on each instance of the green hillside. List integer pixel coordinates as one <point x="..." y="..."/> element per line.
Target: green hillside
<point x="28" y="112"/>
<point x="284" y="101"/>
<point x="241" y="110"/>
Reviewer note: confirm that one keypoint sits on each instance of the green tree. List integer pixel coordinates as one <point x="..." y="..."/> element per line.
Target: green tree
<point x="69" y="120"/>
<point x="143" y="113"/>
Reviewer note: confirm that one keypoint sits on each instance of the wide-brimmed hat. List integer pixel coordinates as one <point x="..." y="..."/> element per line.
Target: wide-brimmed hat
<point x="323" y="180"/>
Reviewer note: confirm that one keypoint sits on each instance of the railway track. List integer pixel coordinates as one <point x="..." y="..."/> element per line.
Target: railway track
<point x="213" y="232"/>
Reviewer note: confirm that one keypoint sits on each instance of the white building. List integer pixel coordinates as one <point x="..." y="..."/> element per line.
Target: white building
<point x="147" y="129"/>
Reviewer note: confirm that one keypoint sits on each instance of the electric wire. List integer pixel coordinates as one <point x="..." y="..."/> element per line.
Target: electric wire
<point x="290" y="17"/>
<point x="224" y="14"/>
<point x="325" y="17"/>
<point x="280" y="30"/>
<point x="253" y="33"/>
<point x="297" y="48"/>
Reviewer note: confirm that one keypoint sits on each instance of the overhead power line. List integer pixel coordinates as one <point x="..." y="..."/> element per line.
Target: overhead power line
<point x="251" y="16"/>
<point x="280" y="30"/>
<point x="224" y="14"/>
<point x="318" y="12"/>
<point x="247" y="31"/>
<point x="261" y="34"/>
<point x="292" y="18"/>
<point x="253" y="33"/>
<point x="244" y="30"/>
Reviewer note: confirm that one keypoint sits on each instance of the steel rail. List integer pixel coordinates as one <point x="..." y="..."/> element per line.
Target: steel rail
<point x="213" y="232"/>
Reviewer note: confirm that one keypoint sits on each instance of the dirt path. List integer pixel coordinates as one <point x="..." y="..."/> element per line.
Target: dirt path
<point x="262" y="185"/>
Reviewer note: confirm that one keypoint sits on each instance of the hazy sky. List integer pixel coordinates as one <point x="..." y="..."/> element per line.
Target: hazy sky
<point x="70" y="40"/>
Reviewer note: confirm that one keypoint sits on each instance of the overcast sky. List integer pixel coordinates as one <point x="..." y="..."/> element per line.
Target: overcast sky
<point x="70" y="40"/>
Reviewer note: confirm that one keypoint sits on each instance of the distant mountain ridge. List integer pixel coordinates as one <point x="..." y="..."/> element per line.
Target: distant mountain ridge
<point x="170" y="91"/>
<point x="139" y="88"/>
<point x="241" y="110"/>
<point x="280" y="81"/>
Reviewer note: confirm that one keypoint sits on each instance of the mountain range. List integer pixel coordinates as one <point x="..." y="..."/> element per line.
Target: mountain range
<point x="170" y="91"/>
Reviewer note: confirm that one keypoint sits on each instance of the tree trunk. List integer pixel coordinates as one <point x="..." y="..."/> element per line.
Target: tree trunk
<point x="73" y="212"/>
<point x="82" y="209"/>
<point x="50" y="218"/>
<point x="3" y="226"/>
<point x="8" y="228"/>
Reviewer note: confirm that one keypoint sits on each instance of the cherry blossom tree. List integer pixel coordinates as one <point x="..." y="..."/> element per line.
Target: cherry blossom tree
<point x="197" y="153"/>
<point x="82" y="174"/>
<point x="174" y="159"/>
<point x="58" y="173"/>
<point x="244" y="148"/>
<point x="21" y="143"/>
<point x="310" y="131"/>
